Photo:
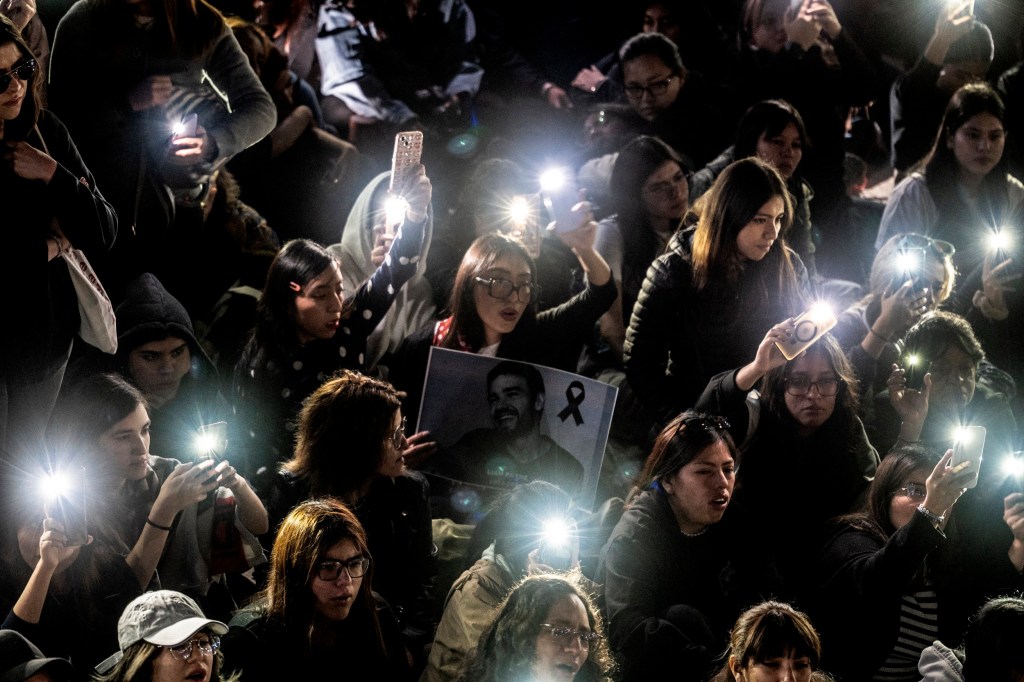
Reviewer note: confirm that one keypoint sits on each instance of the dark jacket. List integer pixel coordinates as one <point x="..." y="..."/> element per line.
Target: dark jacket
<point x="678" y="338"/>
<point x="670" y="600"/>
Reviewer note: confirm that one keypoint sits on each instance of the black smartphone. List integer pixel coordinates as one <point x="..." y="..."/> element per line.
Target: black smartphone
<point x="914" y="370"/>
<point x="69" y="508"/>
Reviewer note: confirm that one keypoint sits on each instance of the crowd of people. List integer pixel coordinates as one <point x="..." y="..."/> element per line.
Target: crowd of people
<point x="788" y="232"/>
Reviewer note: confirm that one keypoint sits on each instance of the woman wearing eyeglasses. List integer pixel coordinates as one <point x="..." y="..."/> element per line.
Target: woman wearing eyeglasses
<point x="165" y="637"/>
<point x="52" y="198"/>
<point x="350" y="444"/>
<point x="308" y="328"/>
<point x="664" y="601"/>
<point x="318" y="615"/>
<point x="886" y="585"/>
<point x="546" y="630"/>
<point x="493" y="310"/>
<point x="806" y="456"/>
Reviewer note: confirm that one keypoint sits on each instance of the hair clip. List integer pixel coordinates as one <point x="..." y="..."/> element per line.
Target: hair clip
<point x="294" y="287"/>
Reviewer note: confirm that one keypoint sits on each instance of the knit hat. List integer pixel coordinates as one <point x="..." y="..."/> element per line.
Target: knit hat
<point x="20" y="659"/>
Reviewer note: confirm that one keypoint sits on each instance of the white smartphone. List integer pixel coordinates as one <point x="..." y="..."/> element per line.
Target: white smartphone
<point x="969" y="446"/>
<point x="808" y="327"/>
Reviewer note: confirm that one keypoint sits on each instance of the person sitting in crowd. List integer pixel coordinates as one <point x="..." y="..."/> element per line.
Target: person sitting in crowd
<point x="158" y="511"/>
<point x="504" y="548"/>
<point x="350" y="444"/>
<point x="318" y="604"/>
<point x="806" y="456"/>
<point x="666" y="606"/>
<point x="773" y="641"/>
<point x="21" y="661"/>
<point x="732" y="277"/>
<point x="308" y="329"/>
<point x="894" y="578"/>
<point x="992" y="640"/>
<point x="546" y="629"/>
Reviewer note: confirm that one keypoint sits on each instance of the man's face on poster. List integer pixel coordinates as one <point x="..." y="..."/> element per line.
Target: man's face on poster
<point x="513" y="407"/>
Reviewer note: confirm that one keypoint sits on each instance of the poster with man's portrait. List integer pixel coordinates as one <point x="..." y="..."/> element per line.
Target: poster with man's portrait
<point x="499" y="423"/>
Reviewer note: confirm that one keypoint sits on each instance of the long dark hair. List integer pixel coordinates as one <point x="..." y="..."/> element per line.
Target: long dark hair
<point x="768" y="118"/>
<point x="891" y="475"/>
<point x="466" y="326"/>
<point x="770" y="630"/>
<point x="343" y="429"/>
<point x="20" y="127"/>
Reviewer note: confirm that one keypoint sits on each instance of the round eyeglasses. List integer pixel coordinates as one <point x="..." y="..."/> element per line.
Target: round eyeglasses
<point x="207" y="647"/>
<point x="915" y="490"/>
<point x="827" y="386"/>
<point x="502" y="289"/>
<point x="566" y="636"/>
<point x="398" y="437"/>
<point x="330" y="570"/>
<point x="655" y="89"/>
<point x="920" y="241"/>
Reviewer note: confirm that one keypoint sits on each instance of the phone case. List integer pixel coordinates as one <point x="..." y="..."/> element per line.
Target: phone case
<point x="70" y="511"/>
<point x="808" y="327"/>
<point x="970" y="446"/>
<point x="408" y="150"/>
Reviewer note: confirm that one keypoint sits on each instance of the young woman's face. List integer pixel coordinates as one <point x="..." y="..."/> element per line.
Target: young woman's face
<point x="756" y="238"/>
<point x="318" y="306"/>
<point x="158" y="367"/>
<point x="787" y="668"/>
<point x="559" y="655"/>
<point x="665" y="193"/>
<point x="906" y="501"/>
<point x="651" y="85"/>
<point x="658" y="18"/>
<point x="501" y="315"/>
<point x="700" y="492"/>
<point x="978" y="144"/>
<point x="393" y="460"/>
<point x="125" y="446"/>
<point x="954" y="377"/>
<point x="198" y="667"/>
<point x="769" y="30"/>
<point x="812" y="409"/>
<point x="14" y="96"/>
<point x="783" y="151"/>
<point x="333" y="599"/>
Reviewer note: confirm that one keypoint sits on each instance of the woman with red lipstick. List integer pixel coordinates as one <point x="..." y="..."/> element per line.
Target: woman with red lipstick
<point x="963" y="193"/>
<point x="308" y="328"/>
<point x="665" y="604"/>
<point x="547" y="629"/>
<point x="318" y="606"/>
<point x="719" y="288"/>
<point x="350" y="444"/>
<point x="806" y="456"/>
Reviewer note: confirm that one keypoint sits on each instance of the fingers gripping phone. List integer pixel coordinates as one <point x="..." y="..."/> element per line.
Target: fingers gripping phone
<point x="808" y="327"/>
<point x="558" y="202"/>
<point x="969" y="447"/>
<point x="407" y="153"/>
<point x="69" y="509"/>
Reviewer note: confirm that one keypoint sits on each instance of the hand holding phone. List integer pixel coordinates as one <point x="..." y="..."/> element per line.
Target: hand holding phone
<point x="68" y="508"/>
<point x="212" y="441"/>
<point x="407" y="152"/>
<point x="969" y="447"/>
<point x="808" y="327"/>
<point x="187" y="127"/>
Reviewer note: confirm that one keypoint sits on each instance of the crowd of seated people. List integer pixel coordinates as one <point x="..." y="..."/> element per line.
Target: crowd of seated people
<point x="811" y="467"/>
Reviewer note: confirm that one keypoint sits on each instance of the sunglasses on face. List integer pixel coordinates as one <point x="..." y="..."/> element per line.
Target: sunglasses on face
<point x="23" y="71"/>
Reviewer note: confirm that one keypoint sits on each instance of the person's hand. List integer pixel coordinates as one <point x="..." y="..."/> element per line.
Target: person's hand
<point x="53" y="547"/>
<point x="153" y="91"/>
<point x="228" y="477"/>
<point x="821" y="12"/>
<point x="588" y="79"/>
<point x="801" y="27"/>
<point x="768" y="355"/>
<point x="945" y="484"/>
<point x="420" y="447"/>
<point x="954" y="21"/>
<point x="534" y="566"/>
<point x="28" y="162"/>
<point x="995" y="280"/>
<point x="188" y="151"/>
<point x="18" y="11"/>
<point x="381" y="245"/>
<point x="1013" y="514"/>
<point x="188" y="484"/>
<point x="558" y="98"/>
<point x="582" y="235"/>
<point x="911" y="405"/>
<point x="417" y="191"/>
<point x="901" y="309"/>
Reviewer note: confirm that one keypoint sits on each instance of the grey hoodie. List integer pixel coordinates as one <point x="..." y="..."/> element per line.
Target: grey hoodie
<point x="939" y="663"/>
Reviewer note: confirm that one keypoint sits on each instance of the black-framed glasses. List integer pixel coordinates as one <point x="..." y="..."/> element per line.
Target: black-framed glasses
<point x="330" y="570"/>
<point x="827" y="386"/>
<point x="566" y="636"/>
<point x="915" y="490"/>
<point x="23" y="71"/>
<point x="668" y="188"/>
<point x="207" y="645"/>
<point x="655" y="89"/>
<point x="912" y="240"/>
<point x="399" y="435"/>
<point x="502" y="289"/>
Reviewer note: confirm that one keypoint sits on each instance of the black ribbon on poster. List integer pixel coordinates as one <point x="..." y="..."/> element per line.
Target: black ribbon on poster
<point x="575" y="394"/>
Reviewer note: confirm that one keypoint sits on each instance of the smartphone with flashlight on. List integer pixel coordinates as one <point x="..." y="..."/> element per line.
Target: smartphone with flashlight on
<point x="808" y="327"/>
<point x="69" y="507"/>
<point x="187" y="127"/>
<point x="407" y="153"/>
<point x="969" y="446"/>
<point x="560" y="192"/>
<point x="524" y="222"/>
